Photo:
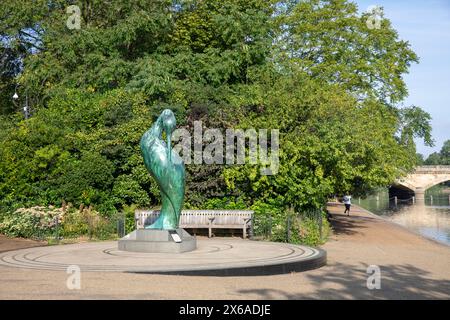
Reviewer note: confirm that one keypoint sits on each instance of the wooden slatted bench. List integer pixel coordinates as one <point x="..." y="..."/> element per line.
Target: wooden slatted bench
<point x="204" y="219"/>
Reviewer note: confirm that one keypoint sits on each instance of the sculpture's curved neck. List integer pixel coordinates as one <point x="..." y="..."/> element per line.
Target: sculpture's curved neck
<point x="157" y="128"/>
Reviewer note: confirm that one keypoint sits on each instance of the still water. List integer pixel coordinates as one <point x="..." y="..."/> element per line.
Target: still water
<point x="431" y="219"/>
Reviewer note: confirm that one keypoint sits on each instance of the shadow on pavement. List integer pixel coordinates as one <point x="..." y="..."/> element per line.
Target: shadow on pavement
<point x="346" y="225"/>
<point x="397" y="282"/>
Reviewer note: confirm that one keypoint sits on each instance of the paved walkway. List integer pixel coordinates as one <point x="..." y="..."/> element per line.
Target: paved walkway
<point x="412" y="267"/>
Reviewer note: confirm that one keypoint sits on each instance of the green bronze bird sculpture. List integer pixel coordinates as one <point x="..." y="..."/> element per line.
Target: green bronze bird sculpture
<point x="167" y="168"/>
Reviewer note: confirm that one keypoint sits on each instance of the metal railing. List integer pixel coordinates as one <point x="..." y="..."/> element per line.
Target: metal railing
<point x="112" y="228"/>
<point x="287" y="227"/>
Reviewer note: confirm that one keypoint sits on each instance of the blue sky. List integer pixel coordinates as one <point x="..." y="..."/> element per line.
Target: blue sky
<point x="426" y="25"/>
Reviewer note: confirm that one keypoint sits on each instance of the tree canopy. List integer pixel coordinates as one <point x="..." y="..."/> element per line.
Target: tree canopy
<point x="440" y="158"/>
<point x="312" y="69"/>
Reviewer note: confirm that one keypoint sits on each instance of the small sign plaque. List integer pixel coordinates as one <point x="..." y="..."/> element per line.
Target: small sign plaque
<point x="175" y="237"/>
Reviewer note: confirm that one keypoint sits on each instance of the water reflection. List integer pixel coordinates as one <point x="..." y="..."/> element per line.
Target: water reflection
<point x="431" y="219"/>
<point x="432" y="222"/>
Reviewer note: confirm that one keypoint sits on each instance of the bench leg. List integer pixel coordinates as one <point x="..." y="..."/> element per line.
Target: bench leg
<point x="244" y="233"/>
<point x="209" y="232"/>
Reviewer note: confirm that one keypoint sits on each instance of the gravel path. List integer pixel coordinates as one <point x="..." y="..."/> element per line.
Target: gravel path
<point x="412" y="267"/>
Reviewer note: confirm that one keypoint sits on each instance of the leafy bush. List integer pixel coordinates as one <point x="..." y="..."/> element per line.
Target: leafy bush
<point x="88" y="222"/>
<point x="75" y="151"/>
<point x="272" y="221"/>
<point x="224" y="204"/>
<point x="35" y="222"/>
<point x="74" y="225"/>
<point x="300" y="228"/>
<point x="130" y="223"/>
<point x="48" y="222"/>
<point x="308" y="232"/>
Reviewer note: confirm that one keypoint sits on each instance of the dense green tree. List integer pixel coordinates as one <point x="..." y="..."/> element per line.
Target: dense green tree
<point x="324" y="150"/>
<point x="433" y="159"/>
<point x="81" y="148"/>
<point x="312" y="69"/>
<point x="445" y="151"/>
<point x="9" y="69"/>
<point x="440" y="158"/>
<point x="334" y="101"/>
<point x="330" y="41"/>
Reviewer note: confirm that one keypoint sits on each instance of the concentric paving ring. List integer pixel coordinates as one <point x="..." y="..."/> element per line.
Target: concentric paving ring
<point x="221" y="257"/>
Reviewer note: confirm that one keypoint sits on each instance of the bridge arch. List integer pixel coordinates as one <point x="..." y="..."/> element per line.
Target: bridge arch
<point x="418" y="181"/>
<point x="401" y="190"/>
<point x="404" y="185"/>
<point x="436" y="182"/>
<point x="408" y="185"/>
<point x="423" y="178"/>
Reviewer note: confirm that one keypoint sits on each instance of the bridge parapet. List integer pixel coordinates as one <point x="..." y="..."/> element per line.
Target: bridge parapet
<point x="441" y="169"/>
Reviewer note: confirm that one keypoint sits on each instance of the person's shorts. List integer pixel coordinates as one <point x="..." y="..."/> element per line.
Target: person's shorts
<point x="347" y="206"/>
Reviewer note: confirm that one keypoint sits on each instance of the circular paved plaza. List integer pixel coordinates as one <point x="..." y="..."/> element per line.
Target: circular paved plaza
<point x="222" y="257"/>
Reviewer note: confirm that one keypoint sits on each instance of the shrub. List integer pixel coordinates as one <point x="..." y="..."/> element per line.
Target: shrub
<point x="130" y="223"/>
<point x="73" y="225"/>
<point x="34" y="222"/>
<point x="41" y="222"/>
<point x="300" y="228"/>
<point x="87" y="221"/>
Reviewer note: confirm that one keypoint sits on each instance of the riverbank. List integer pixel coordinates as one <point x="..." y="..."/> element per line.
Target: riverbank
<point x="412" y="267"/>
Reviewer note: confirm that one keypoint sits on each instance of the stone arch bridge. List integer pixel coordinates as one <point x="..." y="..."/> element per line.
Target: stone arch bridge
<point x="422" y="178"/>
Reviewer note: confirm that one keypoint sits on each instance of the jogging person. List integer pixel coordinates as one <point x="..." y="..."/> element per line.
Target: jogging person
<point x="348" y="203"/>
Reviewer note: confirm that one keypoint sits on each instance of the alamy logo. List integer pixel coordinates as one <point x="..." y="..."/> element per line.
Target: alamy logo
<point x="212" y="146"/>
<point x="74" y="20"/>
<point x="74" y="280"/>
<point x="374" y="280"/>
<point x="374" y="19"/>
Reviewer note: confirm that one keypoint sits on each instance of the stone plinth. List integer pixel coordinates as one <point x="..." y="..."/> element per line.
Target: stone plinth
<point x="158" y="241"/>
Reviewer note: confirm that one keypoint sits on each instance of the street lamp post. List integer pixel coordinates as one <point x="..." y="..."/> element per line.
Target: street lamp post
<point x="26" y="109"/>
